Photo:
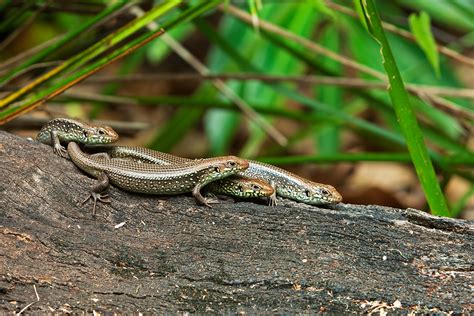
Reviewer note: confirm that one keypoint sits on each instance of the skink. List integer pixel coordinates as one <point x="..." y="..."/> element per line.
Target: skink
<point x="151" y="178"/>
<point x="63" y="130"/>
<point x="285" y="183"/>
<point x="241" y="186"/>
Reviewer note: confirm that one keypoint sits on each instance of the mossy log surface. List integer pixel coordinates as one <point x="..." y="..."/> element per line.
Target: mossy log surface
<point x="149" y="253"/>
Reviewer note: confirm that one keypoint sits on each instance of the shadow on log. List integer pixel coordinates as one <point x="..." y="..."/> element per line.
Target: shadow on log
<point x="147" y="253"/>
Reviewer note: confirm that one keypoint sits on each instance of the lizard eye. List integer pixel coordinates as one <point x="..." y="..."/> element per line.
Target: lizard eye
<point x="256" y="187"/>
<point x="308" y="193"/>
<point x="232" y="163"/>
<point x="101" y="132"/>
<point x="325" y="192"/>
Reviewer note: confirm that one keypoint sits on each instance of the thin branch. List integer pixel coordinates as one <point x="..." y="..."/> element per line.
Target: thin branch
<point x="446" y="106"/>
<point x="179" y="101"/>
<point x="429" y="94"/>
<point x="405" y="34"/>
<point x="101" y="97"/>
<point x="309" y="79"/>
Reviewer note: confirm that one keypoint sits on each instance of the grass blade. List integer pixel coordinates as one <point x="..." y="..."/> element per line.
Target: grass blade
<point x="406" y="115"/>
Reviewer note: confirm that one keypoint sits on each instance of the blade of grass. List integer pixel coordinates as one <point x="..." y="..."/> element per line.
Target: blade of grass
<point x="444" y="11"/>
<point x="20" y="29"/>
<point x="267" y="26"/>
<point x="406" y="115"/>
<point x="15" y="17"/>
<point x="448" y="52"/>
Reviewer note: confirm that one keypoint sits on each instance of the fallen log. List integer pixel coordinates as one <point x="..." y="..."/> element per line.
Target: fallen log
<point x="148" y="254"/>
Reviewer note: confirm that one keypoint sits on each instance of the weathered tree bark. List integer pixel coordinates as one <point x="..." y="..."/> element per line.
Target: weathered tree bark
<point x="173" y="255"/>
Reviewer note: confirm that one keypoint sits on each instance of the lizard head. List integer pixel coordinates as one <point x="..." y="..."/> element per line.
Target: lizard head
<point x="317" y="194"/>
<point x="228" y="165"/>
<point x="245" y="187"/>
<point x="98" y="135"/>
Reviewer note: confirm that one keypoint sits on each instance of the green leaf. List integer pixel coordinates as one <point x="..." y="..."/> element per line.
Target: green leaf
<point x="421" y="28"/>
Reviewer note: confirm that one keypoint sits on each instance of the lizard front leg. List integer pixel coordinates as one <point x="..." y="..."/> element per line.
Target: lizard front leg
<point x="57" y="147"/>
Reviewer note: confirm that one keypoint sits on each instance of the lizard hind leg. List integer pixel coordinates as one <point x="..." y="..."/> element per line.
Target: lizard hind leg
<point x="199" y="198"/>
<point x="97" y="191"/>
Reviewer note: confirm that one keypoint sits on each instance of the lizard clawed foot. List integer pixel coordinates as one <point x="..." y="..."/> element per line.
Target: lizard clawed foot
<point x="101" y="197"/>
<point x="60" y="151"/>
<point x="207" y="203"/>
<point x="214" y="200"/>
<point x="272" y="200"/>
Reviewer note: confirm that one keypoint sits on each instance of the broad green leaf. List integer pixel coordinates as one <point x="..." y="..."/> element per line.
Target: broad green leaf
<point x="421" y="28"/>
